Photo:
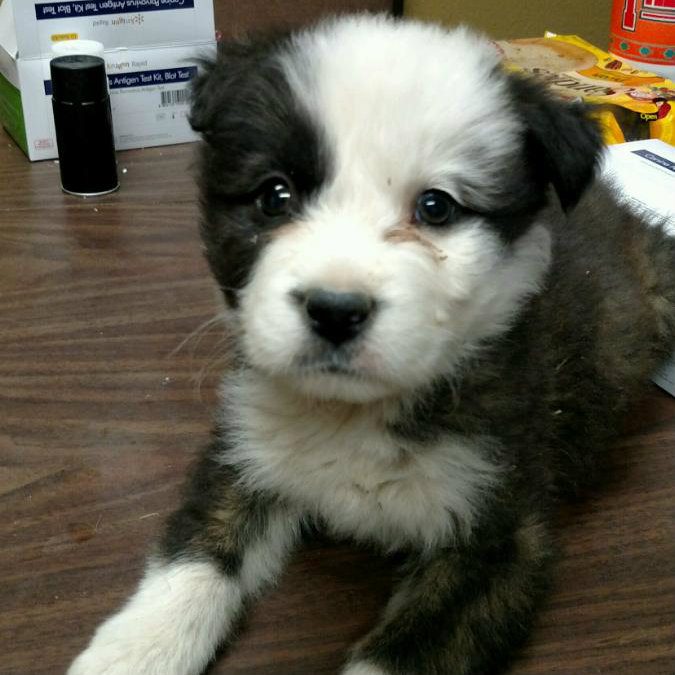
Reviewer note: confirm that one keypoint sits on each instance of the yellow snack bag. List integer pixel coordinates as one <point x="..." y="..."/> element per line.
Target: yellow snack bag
<point x="631" y="104"/>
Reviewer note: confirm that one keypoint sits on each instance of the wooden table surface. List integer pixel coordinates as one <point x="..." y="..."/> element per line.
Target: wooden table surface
<point x="99" y="417"/>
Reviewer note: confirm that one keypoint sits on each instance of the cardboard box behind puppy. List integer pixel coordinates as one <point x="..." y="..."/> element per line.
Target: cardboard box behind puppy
<point x="150" y="50"/>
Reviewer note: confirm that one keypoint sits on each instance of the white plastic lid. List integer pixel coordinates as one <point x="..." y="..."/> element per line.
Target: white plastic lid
<point x="73" y="47"/>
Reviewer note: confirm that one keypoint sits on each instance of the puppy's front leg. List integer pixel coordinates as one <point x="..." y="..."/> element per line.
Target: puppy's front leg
<point x="222" y="546"/>
<point x="460" y="612"/>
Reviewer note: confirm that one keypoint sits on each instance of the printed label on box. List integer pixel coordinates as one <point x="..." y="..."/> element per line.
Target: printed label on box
<point x="143" y="78"/>
<point x="70" y="8"/>
<point x="127" y="24"/>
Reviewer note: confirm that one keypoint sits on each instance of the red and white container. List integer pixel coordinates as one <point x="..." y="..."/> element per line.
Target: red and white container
<point x="642" y="33"/>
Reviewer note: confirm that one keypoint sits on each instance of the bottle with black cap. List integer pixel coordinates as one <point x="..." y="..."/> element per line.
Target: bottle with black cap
<point x="83" y="122"/>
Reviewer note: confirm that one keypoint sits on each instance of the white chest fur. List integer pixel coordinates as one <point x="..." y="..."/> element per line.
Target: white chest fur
<point x="340" y="463"/>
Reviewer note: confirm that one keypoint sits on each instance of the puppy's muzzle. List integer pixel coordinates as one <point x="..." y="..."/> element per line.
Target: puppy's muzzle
<point x="337" y="317"/>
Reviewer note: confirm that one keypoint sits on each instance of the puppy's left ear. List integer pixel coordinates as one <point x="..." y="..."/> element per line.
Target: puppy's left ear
<point x="562" y="140"/>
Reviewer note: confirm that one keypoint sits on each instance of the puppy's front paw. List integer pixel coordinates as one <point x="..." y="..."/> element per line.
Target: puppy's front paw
<point x="92" y="661"/>
<point x="118" y="658"/>
<point x="131" y="643"/>
<point x="362" y="668"/>
<point x="171" y="626"/>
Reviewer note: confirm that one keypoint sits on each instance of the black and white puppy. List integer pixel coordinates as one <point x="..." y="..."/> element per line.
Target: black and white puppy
<point x="436" y="336"/>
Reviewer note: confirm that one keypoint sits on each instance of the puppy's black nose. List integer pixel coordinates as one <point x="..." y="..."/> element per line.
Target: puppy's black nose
<point x="337" y="317"/>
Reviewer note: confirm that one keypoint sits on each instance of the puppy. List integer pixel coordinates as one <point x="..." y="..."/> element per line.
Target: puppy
<point x="436" y="335"/>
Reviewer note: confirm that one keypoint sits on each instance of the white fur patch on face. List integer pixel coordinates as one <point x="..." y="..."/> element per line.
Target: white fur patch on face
<point x="396" y="121"/>
<point x="338" y="463"/>
<point x="403" y="105"/>
<point x="432" y="310"/>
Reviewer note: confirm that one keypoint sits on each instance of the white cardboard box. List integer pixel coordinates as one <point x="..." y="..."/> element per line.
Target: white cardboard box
<point x="150" y="51"/>
<point x="645" y="172"/>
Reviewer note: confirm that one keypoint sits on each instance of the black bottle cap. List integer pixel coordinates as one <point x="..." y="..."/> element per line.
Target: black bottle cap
<point x="78" y="78"/>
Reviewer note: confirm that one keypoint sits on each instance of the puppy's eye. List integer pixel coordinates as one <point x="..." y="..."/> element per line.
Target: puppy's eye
<point x="274" y="198"/>
<point x="435" y="207"/>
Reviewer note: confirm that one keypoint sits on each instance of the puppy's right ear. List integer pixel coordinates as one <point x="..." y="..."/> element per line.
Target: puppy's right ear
<point x="202" y="100"/>
<point x="226" y="80"/>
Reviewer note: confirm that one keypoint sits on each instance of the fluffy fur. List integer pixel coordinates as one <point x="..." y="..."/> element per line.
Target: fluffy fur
<point x="482" y="366"/>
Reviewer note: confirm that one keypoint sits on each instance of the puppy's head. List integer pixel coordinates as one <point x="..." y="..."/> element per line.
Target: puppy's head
<point x="371" y="192"/>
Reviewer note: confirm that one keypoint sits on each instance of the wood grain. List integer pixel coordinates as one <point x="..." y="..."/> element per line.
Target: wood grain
<point x="99" y="419"/>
